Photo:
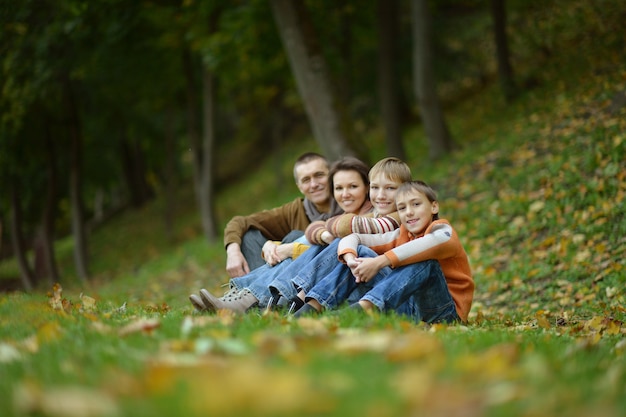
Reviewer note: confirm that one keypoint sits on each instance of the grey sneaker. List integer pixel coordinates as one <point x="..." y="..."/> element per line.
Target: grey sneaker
<point x="230" y="294"/>
<point x="238" y="303"/>
<point x="197" y="302"/>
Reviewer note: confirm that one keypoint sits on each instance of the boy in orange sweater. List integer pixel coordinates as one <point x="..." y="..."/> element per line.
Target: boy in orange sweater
<point x="420" y="270"/>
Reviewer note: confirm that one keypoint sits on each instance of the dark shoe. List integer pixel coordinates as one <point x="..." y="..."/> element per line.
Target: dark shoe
<point x="306" y="310"/>
<point x="239" y="303"/>
<point x="278" y="303"/>
<point x="272" y="304"/>
<point x="295" y="305"/>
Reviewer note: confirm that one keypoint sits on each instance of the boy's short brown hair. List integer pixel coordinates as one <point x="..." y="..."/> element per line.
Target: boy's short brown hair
<point x="393" y="168"/>
<point x="421" y="187"/>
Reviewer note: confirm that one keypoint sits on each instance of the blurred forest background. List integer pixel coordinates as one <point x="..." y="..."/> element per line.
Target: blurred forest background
<point x="107" y="105"/>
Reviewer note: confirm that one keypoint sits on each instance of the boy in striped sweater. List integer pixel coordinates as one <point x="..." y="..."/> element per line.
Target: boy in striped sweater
<point x="420" y="270"/>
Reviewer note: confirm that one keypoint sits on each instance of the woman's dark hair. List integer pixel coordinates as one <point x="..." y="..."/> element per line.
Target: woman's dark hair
<point x="349" y="163"/>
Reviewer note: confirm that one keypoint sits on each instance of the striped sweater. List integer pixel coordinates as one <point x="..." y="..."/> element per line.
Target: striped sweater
<point x="345" y="224"/>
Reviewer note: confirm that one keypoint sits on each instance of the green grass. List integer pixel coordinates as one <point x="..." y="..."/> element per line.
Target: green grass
<point x="537" y="193"/>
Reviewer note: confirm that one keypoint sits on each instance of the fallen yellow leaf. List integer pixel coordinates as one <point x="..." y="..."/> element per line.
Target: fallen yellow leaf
<point x="88" y="303"/>
<point x="140" y="325"/>
<point x="72" y="401"/>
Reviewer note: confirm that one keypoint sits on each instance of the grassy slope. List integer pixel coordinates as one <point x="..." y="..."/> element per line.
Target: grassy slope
<point x="537" y="194"/>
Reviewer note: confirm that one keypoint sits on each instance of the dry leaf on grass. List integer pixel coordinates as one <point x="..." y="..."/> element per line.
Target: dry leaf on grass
<point x="56" y="300"/>
<point x="140" y="325"/>
<point x="243" y="387"/>
<point x="88" y="304"/>
<point x="416" y="345"/>
<point x="55" y="297"/>
<point x="9" y="353"/>
<point x="72" y="401"/>
<point x="358" y="340"/>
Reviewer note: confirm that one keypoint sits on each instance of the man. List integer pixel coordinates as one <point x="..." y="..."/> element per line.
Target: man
<point x="245" y="236"/>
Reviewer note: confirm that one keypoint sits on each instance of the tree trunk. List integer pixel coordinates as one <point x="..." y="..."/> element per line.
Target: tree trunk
<point x="76" y="197"/>
<point x="46" y="232"/>
<point x="17" y="239"/>
<point x="344" y="45"/>
<point x="205" y="183"/>
<point x="327" y="116"/>
<point x="387" y="83"/>
<point x="437" y="133"/>
<point x="505" y="71"/>
<point x="193" y="123"/>
<point x="202" y="136"/>
<point x="169" y="202"/>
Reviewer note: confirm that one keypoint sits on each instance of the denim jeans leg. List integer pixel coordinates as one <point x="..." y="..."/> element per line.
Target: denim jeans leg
<point x="362" y="289"/>
<point x="314" y="271"/>
<point x="278" y="280"/>
<point x="245" y="280"/>
<point x="339" y="285"/>
<point x="419" y="290"/>
<point x="334" y="289"/>
<point x="257" y="281"/>
<point x="259" y="289"/>
<point x="281" y="285"/>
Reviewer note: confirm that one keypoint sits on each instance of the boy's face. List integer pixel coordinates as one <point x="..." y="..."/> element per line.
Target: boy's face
<point x="416" y="211"/>
<point x="383" y="194"/>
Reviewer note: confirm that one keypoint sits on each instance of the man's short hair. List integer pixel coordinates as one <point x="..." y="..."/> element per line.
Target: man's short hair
<point x="305" y="158"/>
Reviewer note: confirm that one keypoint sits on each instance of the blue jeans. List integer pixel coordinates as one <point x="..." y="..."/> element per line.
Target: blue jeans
<point x="418" y="291"/>
<point x="316" y="269"/>
<point x="326" y="270"/>
<point x="282" y="285"/>
<point x="339" y="285"/>
<point x="258" y="280"/>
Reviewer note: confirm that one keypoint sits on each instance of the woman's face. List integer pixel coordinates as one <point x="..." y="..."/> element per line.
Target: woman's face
<point x="349" y="190"/>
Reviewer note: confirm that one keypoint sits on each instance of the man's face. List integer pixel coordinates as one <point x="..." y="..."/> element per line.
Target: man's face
<point x="312" y="180"/>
